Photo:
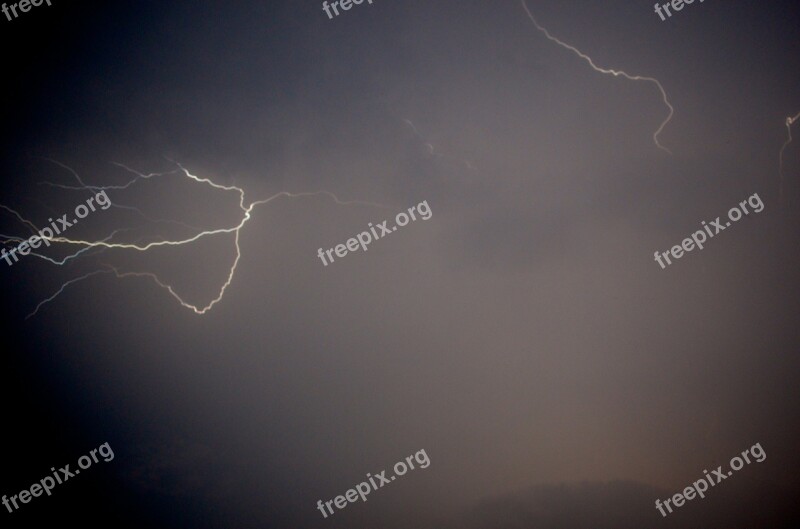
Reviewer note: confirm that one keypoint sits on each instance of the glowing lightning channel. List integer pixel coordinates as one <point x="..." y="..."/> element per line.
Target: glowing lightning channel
<point x="107" y="243"/>
<point x="615" y="73"/>
<point x="789" y="122"/>
<point x="9" y="239"/>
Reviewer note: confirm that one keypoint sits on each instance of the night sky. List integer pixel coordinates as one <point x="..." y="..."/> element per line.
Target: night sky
<point x="523" y="336"/>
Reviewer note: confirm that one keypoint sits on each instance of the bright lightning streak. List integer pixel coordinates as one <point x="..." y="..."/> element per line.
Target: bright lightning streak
<point x="789" y="122"/>
<point x="246" y="210"/>
<point x="615" y="73"/>
<point x="50" y="259"/>
<point x="139" y="176"/>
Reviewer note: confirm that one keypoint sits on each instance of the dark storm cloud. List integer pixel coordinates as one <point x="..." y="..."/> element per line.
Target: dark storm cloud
<point x="523" y="336"/>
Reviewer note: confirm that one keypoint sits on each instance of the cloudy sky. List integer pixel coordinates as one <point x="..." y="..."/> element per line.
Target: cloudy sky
<point x="523" y="336"/>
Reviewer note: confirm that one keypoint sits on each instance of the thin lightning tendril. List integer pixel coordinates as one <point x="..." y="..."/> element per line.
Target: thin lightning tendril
<point x="615" y="73"/>
<point x="108" y="244"/>
<point x="789" y="122"/>
<point x="61" y="289"/>
<point x="432" y="151"/>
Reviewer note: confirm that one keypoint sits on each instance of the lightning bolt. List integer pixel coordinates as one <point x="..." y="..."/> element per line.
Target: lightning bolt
<point x="615" y="73"/>
<point x="789" y="122"/>
<point x="108" y="243"/>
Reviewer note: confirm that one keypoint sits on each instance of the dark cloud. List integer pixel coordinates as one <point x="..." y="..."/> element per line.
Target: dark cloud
<point x="523" y="336"/>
